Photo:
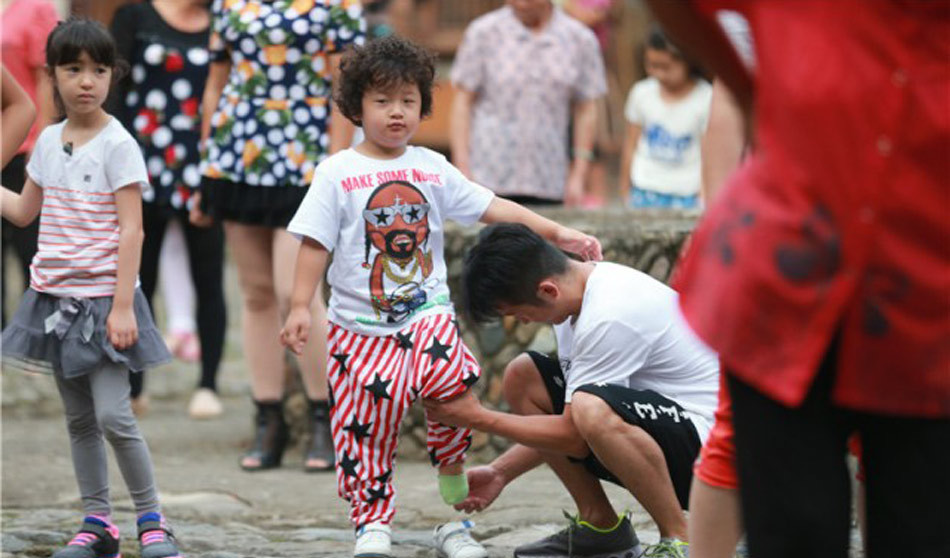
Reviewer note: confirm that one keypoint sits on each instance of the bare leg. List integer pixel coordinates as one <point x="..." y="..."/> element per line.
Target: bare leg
<point x="715" y="524"/>
<point x="634" y="457"/>
<point x="527" y="395"/>
<point x="260" y="320"/>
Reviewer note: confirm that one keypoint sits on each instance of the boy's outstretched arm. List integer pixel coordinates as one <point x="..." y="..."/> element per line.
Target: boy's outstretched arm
<point x="311" y="264"/>
<point x="570" y="240"/>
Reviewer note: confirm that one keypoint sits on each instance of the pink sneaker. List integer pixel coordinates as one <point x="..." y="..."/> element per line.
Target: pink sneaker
<point x="184" y="345"/>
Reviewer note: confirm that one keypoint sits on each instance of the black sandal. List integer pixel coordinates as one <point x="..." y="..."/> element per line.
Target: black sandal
<point x="270" y="436"/>
<point x="321" y="444"/>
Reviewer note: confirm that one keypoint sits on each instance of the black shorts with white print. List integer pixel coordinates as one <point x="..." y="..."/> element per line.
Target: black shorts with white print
<point x="663" y="419"/>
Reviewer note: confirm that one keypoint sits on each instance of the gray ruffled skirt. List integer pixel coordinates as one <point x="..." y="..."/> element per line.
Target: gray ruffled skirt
<point x="67" y="336"/>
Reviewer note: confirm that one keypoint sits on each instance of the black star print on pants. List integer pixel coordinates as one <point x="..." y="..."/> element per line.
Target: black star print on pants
<point x="341" y="358"/>
<point x="358" y="429"/>
<point x="437" y="350"/>
<point x="405" y="340"/>
<point x="376" y="495"/>
<point x="379" y="389"/>
<point x="349" y="465"/>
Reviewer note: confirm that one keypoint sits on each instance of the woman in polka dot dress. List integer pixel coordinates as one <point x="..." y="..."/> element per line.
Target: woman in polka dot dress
<point x="267" y="123"/>
<point x="165" y="43"/>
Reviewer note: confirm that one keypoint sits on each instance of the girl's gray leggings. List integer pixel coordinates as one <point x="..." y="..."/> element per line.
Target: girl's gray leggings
<point x="97" y="406"/>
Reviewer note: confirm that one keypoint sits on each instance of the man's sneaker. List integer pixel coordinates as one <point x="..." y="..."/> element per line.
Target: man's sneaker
<point x="668" y="548"/>
<point x="373" y="540"/>
<point x="582" y="540"/>
<point x="95" y="539"/>
<point x="453" y="540"/>
<point x="155" y="538"/>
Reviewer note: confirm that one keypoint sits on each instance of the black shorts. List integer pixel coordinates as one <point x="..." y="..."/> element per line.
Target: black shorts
<point x="664" y="420"/>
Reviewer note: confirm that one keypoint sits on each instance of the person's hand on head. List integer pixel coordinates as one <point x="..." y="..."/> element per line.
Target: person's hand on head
<point x="576" y="242"/>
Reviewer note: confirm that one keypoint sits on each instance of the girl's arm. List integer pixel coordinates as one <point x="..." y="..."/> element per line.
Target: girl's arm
<point x="20" y="209"/>
<point x="17" y="116"/>
<point x="311" y="264"/>
<point x="630" y="141"/>
<point x="218" y="72"/>
<point x="570" y="240"/>
<point x="120" y="326"/>
<point x="723" y="143"/>
<point x="460" y="125"/>
<point x="341" y="129"/>
<point x="585" y="128"/>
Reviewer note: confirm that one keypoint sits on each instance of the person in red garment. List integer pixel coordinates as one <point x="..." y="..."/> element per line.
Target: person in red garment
<point x="821" y="272"/>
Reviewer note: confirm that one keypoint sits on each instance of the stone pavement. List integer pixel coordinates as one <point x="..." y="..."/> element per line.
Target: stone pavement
<point x="220" y="511"/>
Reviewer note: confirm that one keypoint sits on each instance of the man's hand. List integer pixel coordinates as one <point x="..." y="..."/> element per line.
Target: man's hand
<point x="461" y="411"/>
<point x="576" y="242"/>
<point x="485" y="483"/>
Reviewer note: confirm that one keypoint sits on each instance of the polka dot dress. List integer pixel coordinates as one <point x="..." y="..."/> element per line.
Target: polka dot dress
<point x="270" y="126"/>
<point x="161" y="100"/>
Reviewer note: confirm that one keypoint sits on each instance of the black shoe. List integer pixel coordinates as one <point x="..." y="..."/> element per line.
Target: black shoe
<point x="321" y="445"/>
<point x="270" y="436"/>
<point x="581" y="540"/>
<point x="95" y="539"/>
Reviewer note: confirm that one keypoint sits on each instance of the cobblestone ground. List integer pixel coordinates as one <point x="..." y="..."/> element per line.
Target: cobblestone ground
<point x="219" y="511"/>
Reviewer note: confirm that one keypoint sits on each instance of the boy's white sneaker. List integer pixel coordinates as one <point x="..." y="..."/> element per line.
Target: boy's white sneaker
<point x="453" y="540"/>
<point x="373" y="540"/>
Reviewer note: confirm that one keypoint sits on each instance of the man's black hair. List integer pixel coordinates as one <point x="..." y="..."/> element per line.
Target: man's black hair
<point x="505" y="267"/>
<point x="382" y="64"/>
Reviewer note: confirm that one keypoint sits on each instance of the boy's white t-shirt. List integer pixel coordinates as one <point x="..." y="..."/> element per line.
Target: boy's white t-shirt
<point x="78" y="245"/>
<point x="630" y="333"/>
<point x="383" y="221"/>
<point x="667" y="159"/>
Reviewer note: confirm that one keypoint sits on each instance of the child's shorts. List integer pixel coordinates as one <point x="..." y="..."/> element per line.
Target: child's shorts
<point x="716" y="465"/>
<point x="67" y="336"/>
<point x="648" y="199"/>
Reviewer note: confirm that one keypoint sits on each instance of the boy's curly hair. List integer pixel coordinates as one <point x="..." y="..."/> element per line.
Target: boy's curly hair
<point x="382" y="64"/>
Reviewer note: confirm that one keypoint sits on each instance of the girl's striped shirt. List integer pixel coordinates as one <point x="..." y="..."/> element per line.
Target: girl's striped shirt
<point x="78" y="241"/>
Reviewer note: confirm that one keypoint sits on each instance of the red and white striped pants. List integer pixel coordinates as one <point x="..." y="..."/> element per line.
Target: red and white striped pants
<point x="373" y="382"/>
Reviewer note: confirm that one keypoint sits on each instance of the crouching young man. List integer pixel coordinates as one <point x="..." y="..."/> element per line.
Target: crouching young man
<point x="630" y="398"/>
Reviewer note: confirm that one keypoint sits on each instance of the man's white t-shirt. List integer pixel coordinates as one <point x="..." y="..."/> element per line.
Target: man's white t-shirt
<point x="630" y="333"/>
<point x="78" y="244"/>
<point x="383" y="220"/>
<point x="667" y="159"/>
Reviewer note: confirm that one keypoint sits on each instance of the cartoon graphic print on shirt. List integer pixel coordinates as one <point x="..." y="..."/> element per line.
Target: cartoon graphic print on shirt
<point x="665" y="145"/>
<point x="397" y="227"/>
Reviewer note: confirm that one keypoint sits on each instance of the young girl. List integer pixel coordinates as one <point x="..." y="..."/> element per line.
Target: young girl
<point x="83" y="318"/>
<point x="666" y="116"/>
<point x="380" y="207"/>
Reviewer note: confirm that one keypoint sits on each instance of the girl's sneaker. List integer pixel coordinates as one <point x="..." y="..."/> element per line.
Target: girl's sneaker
<point x="453" y="540"/>
<point x="155" y="538"/>
<point x="373" y="540"/>
<point x="95" y="539"/>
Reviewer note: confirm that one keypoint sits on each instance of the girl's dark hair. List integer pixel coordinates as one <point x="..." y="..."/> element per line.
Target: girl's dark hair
<point x="658" y="40"/>
<point x="76" y="35"/>
<point x="382" y="64"/>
